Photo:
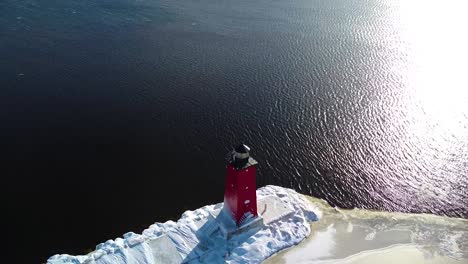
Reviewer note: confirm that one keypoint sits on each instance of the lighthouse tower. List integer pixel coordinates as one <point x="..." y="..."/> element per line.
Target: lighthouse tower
<point x="240" y="198"/>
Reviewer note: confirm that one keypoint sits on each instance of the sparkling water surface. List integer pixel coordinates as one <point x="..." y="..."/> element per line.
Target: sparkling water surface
<point x="116" y="114"/>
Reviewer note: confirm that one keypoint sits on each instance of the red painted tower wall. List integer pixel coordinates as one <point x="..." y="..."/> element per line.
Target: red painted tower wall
<point x="240" y="194"/>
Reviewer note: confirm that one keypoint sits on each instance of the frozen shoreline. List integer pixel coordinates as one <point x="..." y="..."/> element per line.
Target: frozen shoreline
<point x="364" y="236"/>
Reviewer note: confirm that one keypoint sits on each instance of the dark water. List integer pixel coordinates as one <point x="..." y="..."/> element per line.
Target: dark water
<point x="116" y="114"/>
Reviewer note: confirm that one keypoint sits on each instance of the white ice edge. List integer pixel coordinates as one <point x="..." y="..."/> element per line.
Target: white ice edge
<point x="192" y="246"/>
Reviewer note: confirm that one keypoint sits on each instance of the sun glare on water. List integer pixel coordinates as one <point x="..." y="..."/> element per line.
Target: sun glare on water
<point x="431" y="111"/>
<point x="435" y="36"/>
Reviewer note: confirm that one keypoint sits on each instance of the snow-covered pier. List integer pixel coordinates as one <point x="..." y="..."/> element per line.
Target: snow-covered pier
<point x="197" y="237"/>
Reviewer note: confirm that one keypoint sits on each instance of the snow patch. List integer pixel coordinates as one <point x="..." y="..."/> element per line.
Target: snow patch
<point x="196" y="237"/>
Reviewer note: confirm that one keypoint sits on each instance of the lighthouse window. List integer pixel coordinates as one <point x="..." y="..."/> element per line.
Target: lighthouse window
<point x="247" y="202"/>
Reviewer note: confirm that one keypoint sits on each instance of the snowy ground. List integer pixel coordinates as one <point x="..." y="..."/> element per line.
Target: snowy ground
<point x="195" y="238"/>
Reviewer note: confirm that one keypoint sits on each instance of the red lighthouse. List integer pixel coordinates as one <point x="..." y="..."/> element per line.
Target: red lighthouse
<point x="240" y="198"/>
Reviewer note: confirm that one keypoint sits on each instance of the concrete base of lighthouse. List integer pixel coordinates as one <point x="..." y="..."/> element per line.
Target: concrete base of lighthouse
<point x="270" y="209"/>
<point x="229" y="228"/>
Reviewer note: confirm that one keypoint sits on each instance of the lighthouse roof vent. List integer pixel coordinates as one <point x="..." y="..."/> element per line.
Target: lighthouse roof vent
<point x="240" y="157"/>
<point x="241" y="152"/>
<point x="242" y="148"/>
